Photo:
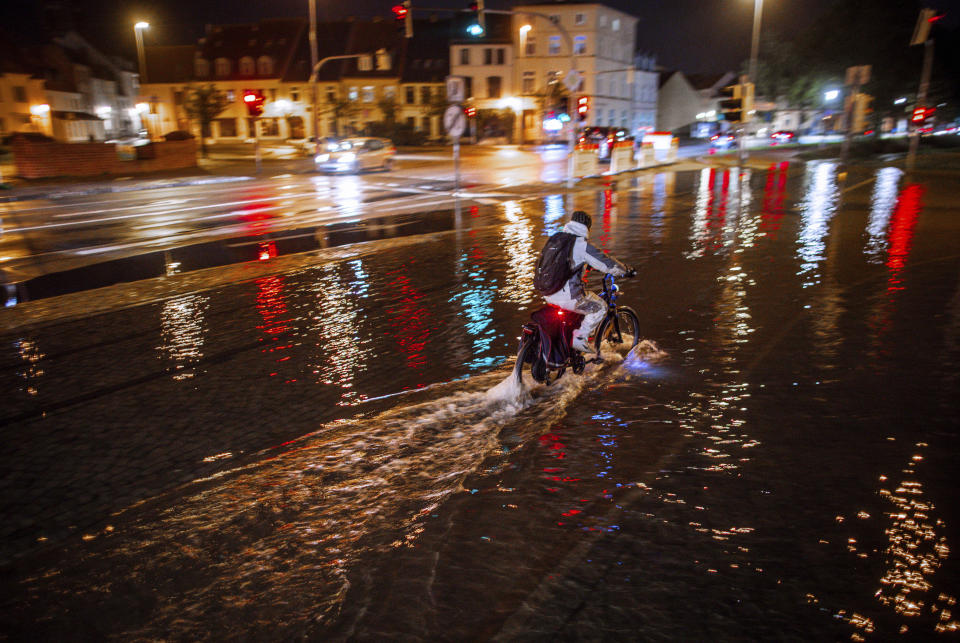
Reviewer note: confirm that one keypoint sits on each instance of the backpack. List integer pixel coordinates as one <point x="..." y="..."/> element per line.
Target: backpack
<point x="554" y="267"/>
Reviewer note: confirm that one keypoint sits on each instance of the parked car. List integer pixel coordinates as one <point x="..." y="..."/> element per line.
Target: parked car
<point x="782" y="136"/>
<point x="357" y="154"/>
<point x="722" y="141"/>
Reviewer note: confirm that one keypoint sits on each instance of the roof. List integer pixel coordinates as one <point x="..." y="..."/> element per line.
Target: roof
<point x="425" y="58"/>
<point x="169" y="64"/>
<point x="710" y="81"/>
<point x="277" y="38"/>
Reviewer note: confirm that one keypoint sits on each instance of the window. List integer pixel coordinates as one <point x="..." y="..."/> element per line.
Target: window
<point x="580" y="19"/>
<point x="295" y="94"/>
<point x="19" y="94"/>
<point x="368" y="93"/>
<point x="247" y="67"/>
<point x="468" y="86"/>
<point x="555" y="19"/>
<point x="231" y="96"/>
<point x="580" y="45"/>
<point x="501" y="55"/>
<point x="464" y="56"/>
<point x="331" y="95"/>
<point x="529" y="82"/>
<point x="494" y="86"/>
<point x="390" y="92"/>
<point x="178" y="98"/>
<point x="411" y="121"/>
<point x="222" y="67"/>
<point x="554" y="45"/>
<point x="265" y="65"/>
<point x="409" y="96"/>
<point x="364" y="63"/>
<point x="228" y="127"/>
<point x="488" y="56"/>
<point x="615" y="25"/>
<point x="201" y="67"/>
<point x="424" y="95"/>
<point x="273" y="94"/>
<point x="353" y="94"/>
<point x="531" y="48"/>
<point x="269" y="127"/>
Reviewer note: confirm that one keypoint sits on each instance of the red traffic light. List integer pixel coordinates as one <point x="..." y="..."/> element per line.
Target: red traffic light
<point x="253" y="99"/>
<point x="399" y="11"/>
<point x="921" y="114"/>
<point x="471" y="111"/>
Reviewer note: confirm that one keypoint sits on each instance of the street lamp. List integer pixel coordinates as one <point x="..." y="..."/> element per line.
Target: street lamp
<point x="755" y="44"/>
<point x="831" y="95"/>
<point x="138" y="32"/>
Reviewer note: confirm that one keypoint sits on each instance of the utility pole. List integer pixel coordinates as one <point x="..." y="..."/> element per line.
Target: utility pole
<point x="921" y="34"/>
<point x="313" y="64"/>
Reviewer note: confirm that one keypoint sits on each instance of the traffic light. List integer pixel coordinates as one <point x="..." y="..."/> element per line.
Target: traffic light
<point x="471" y="112"/>
<point x="477" y="25"/>
<point x="922" y="114"/>
<point x="736" y="102"/>
<point x="583" y="108"/>
<point x="404" y="16"/>
<point x="253" y="99"/>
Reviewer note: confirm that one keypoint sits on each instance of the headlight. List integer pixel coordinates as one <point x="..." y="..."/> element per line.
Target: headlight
<point x="332" y="147"/>
<point x="321" y="158"/>
<point x="348" y="157"/>
<point x="345" y="146"/>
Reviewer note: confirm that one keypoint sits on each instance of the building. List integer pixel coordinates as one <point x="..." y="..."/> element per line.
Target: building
<point x="67" y="89"/>
<point x="597" y="41"/>
<point x="399" y="80"/>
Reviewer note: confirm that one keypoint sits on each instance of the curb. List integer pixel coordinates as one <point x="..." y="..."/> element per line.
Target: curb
<point x="135" y="187"/>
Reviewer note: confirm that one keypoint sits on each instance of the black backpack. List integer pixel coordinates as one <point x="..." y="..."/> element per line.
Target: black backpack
<point x="555" y="265"/>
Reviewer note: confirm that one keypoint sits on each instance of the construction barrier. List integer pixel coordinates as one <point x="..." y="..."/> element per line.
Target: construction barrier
<point x="621" y="157"/>
<point x="674" y="152"/>
<point x="647" y="157"/>
<point x="585" y="159"/>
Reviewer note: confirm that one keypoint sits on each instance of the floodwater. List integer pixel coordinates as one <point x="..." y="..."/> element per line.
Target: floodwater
<point x="334" y="450"/>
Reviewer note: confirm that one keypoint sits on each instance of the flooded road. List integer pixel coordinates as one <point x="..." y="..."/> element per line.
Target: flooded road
<point x="326" y="447"/>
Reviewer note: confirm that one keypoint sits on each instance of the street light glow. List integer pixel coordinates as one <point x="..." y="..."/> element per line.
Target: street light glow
<point x="142" y="25"/>
<point x="831" y="94"/>
<point x="900" y="101"/>
<point x="525" y="28"/>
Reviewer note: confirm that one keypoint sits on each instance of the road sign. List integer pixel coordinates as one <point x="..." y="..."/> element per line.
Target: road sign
<point x="572" y="80"/>
<point x="456" y="89"/>
<point x="454" y="120"/>
<point x="859" y="75"/>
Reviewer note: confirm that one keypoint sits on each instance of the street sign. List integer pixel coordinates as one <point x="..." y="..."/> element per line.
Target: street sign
<point x="454" y="121"/>
<point x="572" y="80"/>
<point x="456" y="89"/>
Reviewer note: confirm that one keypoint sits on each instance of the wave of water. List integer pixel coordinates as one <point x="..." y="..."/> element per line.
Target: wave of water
<point x="272" y="548"/>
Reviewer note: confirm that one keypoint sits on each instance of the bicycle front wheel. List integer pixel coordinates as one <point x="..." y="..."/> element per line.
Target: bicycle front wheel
<point x="619" y="330"/>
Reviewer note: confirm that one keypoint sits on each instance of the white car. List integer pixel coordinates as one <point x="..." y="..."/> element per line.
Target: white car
<point x="357" y="154"/>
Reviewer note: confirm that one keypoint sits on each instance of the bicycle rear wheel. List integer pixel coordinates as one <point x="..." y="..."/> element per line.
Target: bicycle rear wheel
<point x="617" y="331"/>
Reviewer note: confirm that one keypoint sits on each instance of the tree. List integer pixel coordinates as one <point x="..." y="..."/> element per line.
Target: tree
<point x="388" y="107"/>
<point x="203" y="104"/>
<point x="340" y="108"/>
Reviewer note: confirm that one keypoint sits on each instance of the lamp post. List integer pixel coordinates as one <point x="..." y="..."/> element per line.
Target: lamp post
<point x="755" y="42"/>
<point x="138" y="32"/>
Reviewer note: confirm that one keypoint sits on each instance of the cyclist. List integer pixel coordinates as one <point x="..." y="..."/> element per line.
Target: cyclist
<point x="559" y="275"/>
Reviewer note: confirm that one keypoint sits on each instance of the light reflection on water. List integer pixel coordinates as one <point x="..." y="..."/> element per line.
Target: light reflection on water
<point x="917" y="549"/>
<point x="882" y="202"/>
<point x="182" y="328"/>
<point x="518" y="237"/>
<point x="820" y="202"/>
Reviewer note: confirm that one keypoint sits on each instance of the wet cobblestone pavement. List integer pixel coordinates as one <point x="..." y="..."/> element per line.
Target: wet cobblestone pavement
<point x="322" y="446"/>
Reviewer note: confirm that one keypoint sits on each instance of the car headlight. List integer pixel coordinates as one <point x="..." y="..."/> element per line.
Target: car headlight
<point x="321" y="158"/>
<point x="348" y="157"/>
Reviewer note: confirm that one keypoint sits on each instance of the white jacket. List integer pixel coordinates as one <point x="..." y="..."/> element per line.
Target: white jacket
<point x="586" y="254"/>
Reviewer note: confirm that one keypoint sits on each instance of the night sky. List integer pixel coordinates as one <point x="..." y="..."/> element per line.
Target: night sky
<point x="692" y="35"/>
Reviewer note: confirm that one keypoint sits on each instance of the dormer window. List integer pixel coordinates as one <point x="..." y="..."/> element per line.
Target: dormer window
<point x="247" y="66"/>
<point x="222" y="67"/>
<point x="265" y="66"/>
<point x="201" y="67"/>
